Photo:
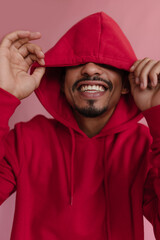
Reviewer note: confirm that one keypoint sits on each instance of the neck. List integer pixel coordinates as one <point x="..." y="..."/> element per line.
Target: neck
<point x="92" y="126"/>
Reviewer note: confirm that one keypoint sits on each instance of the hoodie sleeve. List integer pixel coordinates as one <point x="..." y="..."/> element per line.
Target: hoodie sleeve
<point x="151" y="204"/>
<point x="8" y="168"/>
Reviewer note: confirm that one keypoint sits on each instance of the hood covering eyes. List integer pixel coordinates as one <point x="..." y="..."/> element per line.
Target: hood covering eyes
<point x="96" y="38"/>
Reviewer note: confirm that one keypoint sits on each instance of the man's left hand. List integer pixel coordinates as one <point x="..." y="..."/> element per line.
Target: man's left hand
<point x="144" y="79"/>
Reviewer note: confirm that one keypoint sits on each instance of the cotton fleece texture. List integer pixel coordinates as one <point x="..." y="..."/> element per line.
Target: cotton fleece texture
<point x="70" y="186"/>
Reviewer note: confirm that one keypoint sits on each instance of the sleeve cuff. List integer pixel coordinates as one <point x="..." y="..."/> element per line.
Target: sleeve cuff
<point x="152" y="116"/>
<point x="8" y="104"/>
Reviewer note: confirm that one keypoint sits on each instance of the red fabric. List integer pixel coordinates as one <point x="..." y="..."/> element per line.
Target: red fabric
<point x="70" y="186"/>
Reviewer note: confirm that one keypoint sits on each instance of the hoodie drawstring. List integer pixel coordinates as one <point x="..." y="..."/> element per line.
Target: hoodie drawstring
<point x="108" y="227"/>
<point x="72" y="166"/>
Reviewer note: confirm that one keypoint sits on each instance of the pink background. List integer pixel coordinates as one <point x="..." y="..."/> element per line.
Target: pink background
<point x="139" y="19"/>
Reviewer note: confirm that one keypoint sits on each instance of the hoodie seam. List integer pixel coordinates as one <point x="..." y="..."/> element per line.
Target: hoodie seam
<point x="100" y="22"/>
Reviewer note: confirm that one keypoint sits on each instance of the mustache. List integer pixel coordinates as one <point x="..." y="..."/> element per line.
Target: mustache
<point x="94" y="78"/>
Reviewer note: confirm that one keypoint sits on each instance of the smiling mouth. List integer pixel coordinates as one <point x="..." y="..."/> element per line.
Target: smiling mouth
<point x="92" y="89"/>
<point x="92" y="86"/>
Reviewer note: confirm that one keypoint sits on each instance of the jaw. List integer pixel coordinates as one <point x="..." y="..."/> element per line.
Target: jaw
<point x="87" y="95"/>
<point x="91" y="126"/>
<point x="90" y="107"/>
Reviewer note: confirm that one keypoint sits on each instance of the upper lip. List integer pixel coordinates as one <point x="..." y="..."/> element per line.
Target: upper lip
<point x="92" y="82"/>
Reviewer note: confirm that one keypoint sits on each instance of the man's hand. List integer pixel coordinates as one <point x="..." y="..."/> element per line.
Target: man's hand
<point x="17" y="54"/>
<point x="144" y="80"/>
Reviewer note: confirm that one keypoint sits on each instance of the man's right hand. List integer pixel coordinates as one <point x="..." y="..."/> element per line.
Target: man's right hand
<point x="17" y="54"/>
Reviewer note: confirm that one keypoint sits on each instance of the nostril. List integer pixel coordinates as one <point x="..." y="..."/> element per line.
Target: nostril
<point x="85" y="74"/>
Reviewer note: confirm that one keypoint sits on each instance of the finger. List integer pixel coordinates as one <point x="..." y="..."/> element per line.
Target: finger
<point x="144" y="74"/>
<point x="31" y="48"/>
<point x="138" y="68"/>
<point x="10" y="38"/>
<point x="38" y="74"/>
<point x="154" y="74"/>
<point x="134" y="65"/>
<point x="33" y="36"/>
<point x="132" y="81"/>
<point x="32" y="58"/>
<point x="20" y="42"/>
<point x="13" y="37"/>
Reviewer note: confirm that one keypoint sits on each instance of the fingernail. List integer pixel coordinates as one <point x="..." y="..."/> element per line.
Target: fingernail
<point x="142" y="85"/>
<point x="137" y="80"/>
<point x="42" y="62"/>
<point x="38" y="33"/>
<point x="42" y="54"/>
<point x="132" y="68"/>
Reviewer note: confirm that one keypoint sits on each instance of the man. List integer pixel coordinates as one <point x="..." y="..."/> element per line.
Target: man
<point x="89" y="173"/>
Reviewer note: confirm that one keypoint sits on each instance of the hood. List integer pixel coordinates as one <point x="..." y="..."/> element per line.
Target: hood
<point x="96" y="38"/>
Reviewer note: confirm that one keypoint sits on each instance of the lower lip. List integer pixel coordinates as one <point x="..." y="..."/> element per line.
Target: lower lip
<point x="91" y="95"/>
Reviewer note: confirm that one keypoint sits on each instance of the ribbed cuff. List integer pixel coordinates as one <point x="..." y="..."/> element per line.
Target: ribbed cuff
<point x="152" y="116"/>
<point x="8" y="104"/>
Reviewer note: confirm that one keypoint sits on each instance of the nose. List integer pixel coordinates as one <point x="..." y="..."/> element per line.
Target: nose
<point x="91" y="69"/>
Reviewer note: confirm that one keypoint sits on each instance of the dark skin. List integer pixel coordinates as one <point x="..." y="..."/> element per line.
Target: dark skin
<point x="93" y="125"/>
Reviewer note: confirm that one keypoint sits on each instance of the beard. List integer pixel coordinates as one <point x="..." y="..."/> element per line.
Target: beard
<point x="90" y="111"/>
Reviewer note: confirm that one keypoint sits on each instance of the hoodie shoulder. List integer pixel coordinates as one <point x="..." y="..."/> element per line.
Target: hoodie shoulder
<point x="37" y="124"/>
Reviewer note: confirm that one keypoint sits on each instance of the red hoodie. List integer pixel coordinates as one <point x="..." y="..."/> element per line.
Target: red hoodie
<point x="70" y="186"/>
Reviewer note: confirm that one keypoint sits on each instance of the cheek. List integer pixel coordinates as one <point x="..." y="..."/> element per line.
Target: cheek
<point x="69" y="80"/>
<point x="116" y="95"/>
<point x="68" y="91"/>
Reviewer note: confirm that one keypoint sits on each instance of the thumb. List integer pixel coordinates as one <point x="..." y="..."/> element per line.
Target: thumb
<point x="38" y="74"/>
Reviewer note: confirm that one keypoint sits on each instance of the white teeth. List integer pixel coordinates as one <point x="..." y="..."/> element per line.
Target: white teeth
<point x="92" y="87"/>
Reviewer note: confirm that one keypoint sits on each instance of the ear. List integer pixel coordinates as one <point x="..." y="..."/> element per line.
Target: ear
<point x="125" y="85"/>
<point x="124" y="90"/>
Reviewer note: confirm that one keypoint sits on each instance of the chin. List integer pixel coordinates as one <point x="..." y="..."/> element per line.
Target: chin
<point x="91" y="111"/>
